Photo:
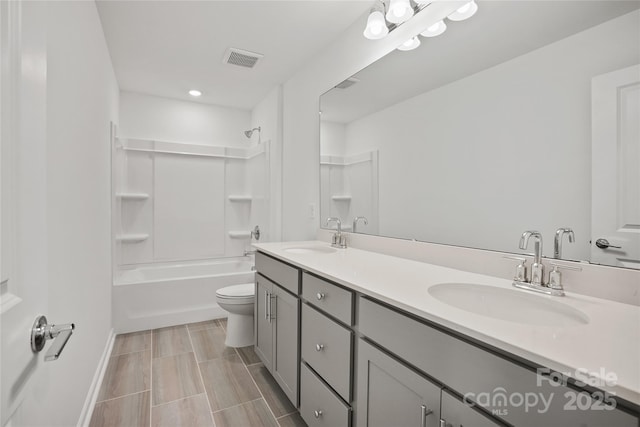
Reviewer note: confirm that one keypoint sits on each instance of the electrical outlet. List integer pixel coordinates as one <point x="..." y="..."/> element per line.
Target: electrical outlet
<point x="312" y="210"/>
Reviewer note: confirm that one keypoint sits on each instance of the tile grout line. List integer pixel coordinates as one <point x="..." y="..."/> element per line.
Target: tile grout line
<point x="239" y="404"/>
<point x="172" y="355"/>
<point x="204" y="388"/>
<point x="259" y="391"/>
<point x="179" y="399"/>
<point x="124" y="395"/>
<point x="286" y="415"/>
<point x="127" y="352"/>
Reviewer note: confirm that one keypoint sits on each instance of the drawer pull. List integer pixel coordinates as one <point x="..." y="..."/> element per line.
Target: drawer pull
<point x="320" y="296"/>
<point x="319" y="347"/>
<point x="423" y="415"/>
<point x="317" y="414"/>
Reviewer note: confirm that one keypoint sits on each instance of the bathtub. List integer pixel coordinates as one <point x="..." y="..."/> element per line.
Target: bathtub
<point x="154" y="296"/>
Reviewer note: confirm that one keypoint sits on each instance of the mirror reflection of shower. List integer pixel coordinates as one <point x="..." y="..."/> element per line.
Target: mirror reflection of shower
<point x="249" y="133"/>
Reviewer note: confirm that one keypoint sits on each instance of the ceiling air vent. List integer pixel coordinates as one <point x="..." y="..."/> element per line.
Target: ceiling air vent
<point x="347" y="83"/>
<point x="242" y="58"/>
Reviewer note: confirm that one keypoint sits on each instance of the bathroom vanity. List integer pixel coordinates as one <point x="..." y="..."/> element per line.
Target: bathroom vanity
<point x="382" y="341"/>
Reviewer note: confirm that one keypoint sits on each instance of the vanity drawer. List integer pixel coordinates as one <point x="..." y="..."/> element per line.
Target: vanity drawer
<point x="326" y="347"/>
<point x="319" y="406"/>
<point x="283" y="274"/>
<point x="328" y="297"/>
<point x="476" y="372"/>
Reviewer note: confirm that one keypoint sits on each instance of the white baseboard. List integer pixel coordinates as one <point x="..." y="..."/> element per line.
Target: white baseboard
<point x="92" y="395"/>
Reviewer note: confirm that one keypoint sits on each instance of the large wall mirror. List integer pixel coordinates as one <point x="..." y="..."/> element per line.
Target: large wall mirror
<point x="524" y="117"/>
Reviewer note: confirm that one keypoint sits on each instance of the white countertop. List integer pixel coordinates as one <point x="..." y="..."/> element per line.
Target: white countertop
<point x="608" y="345"/>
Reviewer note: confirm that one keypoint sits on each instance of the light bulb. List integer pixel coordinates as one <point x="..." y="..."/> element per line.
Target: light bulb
<point x="399" y="11"/>
<point x="195" y="93"/>
<point x="376" y="26"/>
<point x="410" y="44"/>
<point x="464" y="12"/>
<point x="435" y="29"/>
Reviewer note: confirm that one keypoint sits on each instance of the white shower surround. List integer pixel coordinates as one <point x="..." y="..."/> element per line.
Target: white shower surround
<point x="157" y="295"/>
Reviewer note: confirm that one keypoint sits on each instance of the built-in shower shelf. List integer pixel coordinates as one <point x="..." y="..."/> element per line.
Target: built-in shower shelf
<point x="240" y="199"/>
<point x="132" y="196"/>
<point x="341" y="198"/>
<point x="240" y="234"/>
<point x="132" y="238"/>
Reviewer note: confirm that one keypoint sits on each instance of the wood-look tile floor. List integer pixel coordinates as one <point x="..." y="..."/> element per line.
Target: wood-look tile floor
<point x="186" y="376"/>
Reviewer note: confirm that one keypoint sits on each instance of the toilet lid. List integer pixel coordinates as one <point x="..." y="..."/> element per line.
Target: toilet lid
<point x="237" y="291"/>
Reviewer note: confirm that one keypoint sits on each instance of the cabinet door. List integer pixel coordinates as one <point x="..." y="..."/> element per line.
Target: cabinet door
<point x="263" y="322"/>
<point x="391" y="394"/>
<point x="455" y="413"/>
<point x="286" y="314"/>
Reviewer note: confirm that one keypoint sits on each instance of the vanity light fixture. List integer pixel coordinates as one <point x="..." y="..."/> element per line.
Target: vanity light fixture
<point x="435" y="29"/>
<point x="399" y="11"/>
<point x="376" y="25"/>
<point x="194" y="92"/>
<point x="464" y="12"/>
<point x="410" y="44"/>
<point x="379" y="23"/>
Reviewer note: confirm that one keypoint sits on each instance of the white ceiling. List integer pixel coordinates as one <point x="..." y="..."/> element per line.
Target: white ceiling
<point x="500" y="30"/>
<point x="166" y="48"/>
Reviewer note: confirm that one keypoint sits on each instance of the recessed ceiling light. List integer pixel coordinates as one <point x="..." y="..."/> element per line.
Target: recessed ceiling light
<point x="194" y="92"/>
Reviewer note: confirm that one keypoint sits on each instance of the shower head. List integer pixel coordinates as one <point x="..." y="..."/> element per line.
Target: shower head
<point x="249" y="133"/>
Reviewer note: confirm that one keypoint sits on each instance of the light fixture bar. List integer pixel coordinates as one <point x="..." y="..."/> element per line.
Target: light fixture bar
<point x="379" y="23"/>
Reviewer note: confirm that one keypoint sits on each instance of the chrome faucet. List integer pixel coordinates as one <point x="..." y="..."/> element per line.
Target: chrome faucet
<point x="358" y="218"/>
<point x="536" y="284"/>
<point x="337" y="240"/>
<point x="537" y="269"/>
<point x="557" y="243"/>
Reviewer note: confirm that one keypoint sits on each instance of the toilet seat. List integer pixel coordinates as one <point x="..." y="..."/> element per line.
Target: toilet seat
<point x="236" y="292"/>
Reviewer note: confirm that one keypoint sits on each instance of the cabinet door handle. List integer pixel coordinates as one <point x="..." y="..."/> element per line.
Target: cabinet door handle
<point x="319" y="347"/>
<point x="320" y="296"/>
<point x="423" y="415"/>
<point x="317" y="414"/>
<point x="272" y="298"/>
<point x="266" y="305"/>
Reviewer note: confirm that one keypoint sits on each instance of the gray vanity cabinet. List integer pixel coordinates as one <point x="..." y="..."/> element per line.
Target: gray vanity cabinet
<point x="277" y="320"/>
<point x="391" y="394"/>
<point x="455" y="413"/>
<point x="474" y="372"/>
<point x="326" y="349"/>
<point x="319" y="405"/>
<point x="263" y="329"/>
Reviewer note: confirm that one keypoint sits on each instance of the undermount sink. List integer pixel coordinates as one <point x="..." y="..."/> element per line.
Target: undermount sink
<point x="310" y="250"/>
<point x="507" y="304"/>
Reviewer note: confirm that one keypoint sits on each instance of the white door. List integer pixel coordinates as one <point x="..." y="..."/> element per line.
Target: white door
<point x="23" y="237"/>
<point x="615" y="218"/>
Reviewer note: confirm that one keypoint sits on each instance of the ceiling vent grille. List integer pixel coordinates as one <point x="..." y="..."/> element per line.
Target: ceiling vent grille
<point x="242" y="58"/>
<point x="347" y="83"/>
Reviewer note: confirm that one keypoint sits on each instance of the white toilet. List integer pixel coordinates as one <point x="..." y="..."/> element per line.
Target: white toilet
<point x="238" y="301"/>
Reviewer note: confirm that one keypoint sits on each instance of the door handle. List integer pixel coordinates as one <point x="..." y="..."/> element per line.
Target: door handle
<point x="604" y="244"/>
<point x="43" y="331"/>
